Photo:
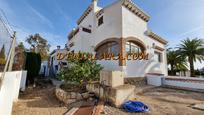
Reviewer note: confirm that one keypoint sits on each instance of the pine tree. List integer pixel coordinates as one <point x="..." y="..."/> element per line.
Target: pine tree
<point x="2" y="56"/>
<point x="2" y="53"/>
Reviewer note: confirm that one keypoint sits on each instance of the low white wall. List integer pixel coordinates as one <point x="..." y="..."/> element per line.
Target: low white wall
<point x="185" y="82"/>
<point x="9" y="92"/>
<point x="182" y="82"/>
<point x="155" y="80"/>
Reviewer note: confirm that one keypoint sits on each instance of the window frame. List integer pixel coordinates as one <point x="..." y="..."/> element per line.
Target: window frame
<point x="160" y="56"/>
<point x="100" y="21"/>
<point x="130" y="45"/>
<point x="108" y="48"/>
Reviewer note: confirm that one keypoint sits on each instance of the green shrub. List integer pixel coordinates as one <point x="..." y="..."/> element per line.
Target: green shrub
<point x="80" y="71"/>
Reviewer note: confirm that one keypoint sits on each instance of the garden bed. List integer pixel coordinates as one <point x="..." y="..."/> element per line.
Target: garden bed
<point x="70" y="93"/>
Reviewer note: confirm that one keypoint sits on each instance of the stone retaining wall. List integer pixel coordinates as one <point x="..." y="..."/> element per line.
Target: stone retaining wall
<point x="136" y="81"/>
<point x="69" y="97"/>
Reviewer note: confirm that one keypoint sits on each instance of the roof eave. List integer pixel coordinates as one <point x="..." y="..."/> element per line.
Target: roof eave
<point x="156" y="37"/>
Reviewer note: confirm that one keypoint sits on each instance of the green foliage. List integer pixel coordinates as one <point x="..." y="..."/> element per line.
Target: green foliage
<point x="176" y="61"/>
<point x="21" y="45"/>
<point x="80" y="70"/>
<point x="192" y="50"/>
<point x="2" y="61"/>
<point x="33" y="64"/>
<point x="2" y="56"/>
<point x="199" y="72"/>
<point x="39" y="45"/>
<point x="2" y="52"/>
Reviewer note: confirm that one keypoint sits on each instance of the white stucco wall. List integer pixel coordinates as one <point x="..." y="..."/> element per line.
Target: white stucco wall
<point x="133" y="26"/>
<point x="119" y="22"/>
<point x="110" y="65"/>
<point x="112" y="26"/>
<point x="9" y="92"/>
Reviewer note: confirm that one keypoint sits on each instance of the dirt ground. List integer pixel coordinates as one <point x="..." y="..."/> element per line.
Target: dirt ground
<point x="162" y="101"/>
<point x="38" y="101"/>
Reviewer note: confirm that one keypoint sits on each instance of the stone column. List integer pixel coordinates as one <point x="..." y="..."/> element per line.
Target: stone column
<point x="122" y="62"/>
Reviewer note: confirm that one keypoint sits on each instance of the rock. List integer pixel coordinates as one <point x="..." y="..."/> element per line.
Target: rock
<point x="85" y="95"/>
<point x="73" y="95"/>
<point x="198" y="106"/>
<point x="79" y="96"/>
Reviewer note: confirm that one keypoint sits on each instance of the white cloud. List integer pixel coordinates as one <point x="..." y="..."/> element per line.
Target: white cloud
<point x="41" y="17"/>
<point x="191" y="31"/>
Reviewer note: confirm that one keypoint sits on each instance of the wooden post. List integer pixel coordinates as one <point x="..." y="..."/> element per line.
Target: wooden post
<point x="12" y="52"/>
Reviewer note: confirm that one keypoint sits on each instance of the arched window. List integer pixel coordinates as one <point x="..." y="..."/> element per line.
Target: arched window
<point x="132" y="47"/>
<point x="108" y="47"/>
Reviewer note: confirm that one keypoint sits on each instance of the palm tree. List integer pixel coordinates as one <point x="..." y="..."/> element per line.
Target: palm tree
<point x="192" y="50"/>
<point x="176" y="61"/>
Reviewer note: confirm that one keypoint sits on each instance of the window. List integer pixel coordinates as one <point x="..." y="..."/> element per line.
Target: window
<point x="158" y="56"/>
<point x="100" y="21"/>
<point x="86" y="30"/>
<point x="132" y="48"/>
<point x="109" y="47"/>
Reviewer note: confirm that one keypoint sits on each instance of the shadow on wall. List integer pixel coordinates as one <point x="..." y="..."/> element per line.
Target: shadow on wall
<point x="140" y="68"/>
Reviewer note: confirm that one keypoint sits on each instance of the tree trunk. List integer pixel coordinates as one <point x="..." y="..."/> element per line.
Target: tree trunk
<point x="191" y="67"/>
<point x="172" y="69"/>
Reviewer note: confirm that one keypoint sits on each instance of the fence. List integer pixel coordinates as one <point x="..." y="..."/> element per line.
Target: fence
<point x="10" y="82"/>
<point x="13" y="82"/>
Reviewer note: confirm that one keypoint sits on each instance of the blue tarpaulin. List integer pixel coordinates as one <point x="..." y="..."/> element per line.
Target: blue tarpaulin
<point x="135" y="106"/>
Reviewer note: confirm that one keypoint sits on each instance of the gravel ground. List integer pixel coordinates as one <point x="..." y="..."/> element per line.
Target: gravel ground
<point x="38" y="101"/>
<point x="164" y="101"/>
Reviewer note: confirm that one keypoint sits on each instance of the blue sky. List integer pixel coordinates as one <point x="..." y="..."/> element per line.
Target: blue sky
<point x="53" y="19"/>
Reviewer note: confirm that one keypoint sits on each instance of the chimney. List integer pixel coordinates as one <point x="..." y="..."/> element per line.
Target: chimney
<point x="58" y="47"/>
<point x="95" y="5"/>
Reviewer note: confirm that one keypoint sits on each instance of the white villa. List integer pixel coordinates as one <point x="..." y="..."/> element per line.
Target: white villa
<point x="120" y="28"/>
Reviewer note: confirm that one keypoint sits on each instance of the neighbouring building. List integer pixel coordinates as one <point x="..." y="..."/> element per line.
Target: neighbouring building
<point x="57" y="60"/>
<point x="119" y="28"/>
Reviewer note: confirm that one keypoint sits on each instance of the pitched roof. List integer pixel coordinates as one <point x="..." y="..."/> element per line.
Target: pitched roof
<point x="126" y="3"/>
<point x="86" y="12"/>
<point x="156" y="37"/>
<point x="135" y="9"/>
